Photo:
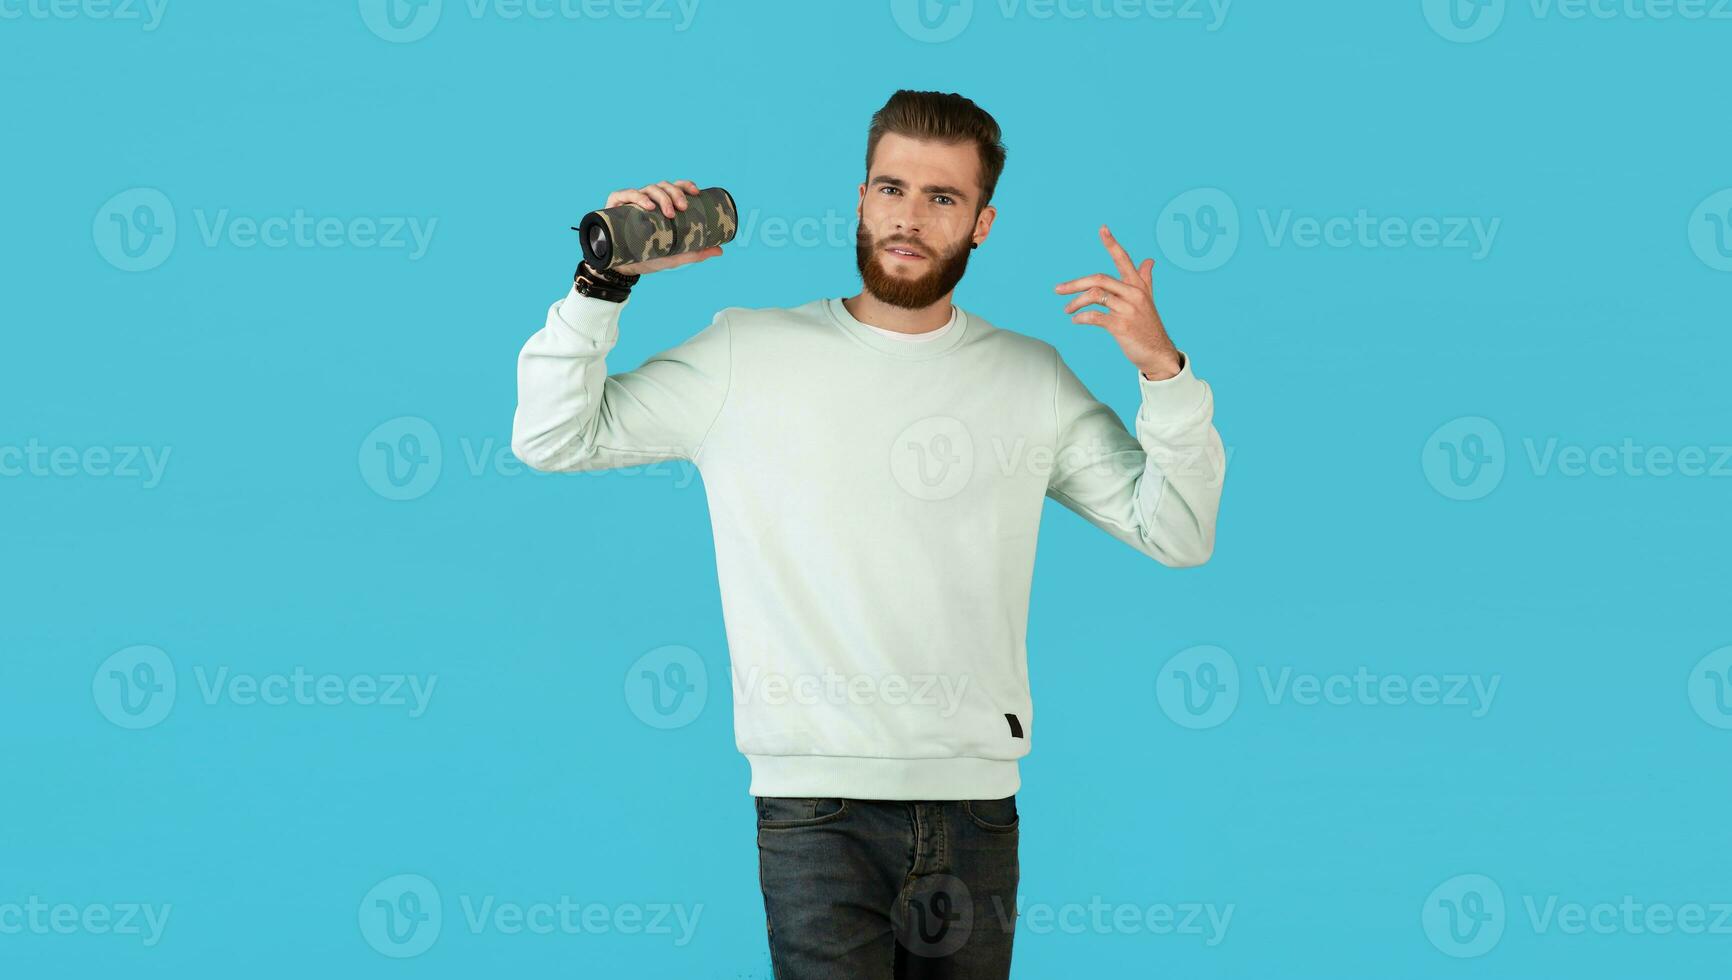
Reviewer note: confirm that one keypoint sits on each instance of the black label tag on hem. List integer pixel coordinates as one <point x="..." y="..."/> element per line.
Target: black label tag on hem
<point x="1015" y="726"/>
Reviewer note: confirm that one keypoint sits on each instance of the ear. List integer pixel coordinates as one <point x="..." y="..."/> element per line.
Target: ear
<point x="983" y="222"/>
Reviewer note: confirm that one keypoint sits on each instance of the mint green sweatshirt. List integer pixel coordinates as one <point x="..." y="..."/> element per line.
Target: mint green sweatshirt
<point x="875" y="504"/>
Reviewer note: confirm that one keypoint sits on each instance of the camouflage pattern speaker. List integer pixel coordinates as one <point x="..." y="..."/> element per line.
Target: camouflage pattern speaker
<point x="617" y="236"/>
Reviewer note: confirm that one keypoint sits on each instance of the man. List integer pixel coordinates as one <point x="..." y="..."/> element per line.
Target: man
<point x="875" y="468"/>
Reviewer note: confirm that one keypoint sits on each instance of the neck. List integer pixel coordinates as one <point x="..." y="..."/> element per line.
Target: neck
<point x="873" y="311"/>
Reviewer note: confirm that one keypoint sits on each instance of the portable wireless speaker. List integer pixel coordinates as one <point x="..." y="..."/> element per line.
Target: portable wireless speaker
<point x="617" y="236"/>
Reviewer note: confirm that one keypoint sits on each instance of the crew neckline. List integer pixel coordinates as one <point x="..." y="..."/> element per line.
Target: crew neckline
<point x="896" y="346"/>
<point x="924" y="337"/>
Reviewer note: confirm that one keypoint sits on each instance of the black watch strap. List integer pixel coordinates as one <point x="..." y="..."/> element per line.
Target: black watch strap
<point x="603" y="284"/>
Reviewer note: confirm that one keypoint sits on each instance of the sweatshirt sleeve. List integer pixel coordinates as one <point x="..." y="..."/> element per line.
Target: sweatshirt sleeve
<point x="1159" y="491"/>
<point x="572" y="415"/>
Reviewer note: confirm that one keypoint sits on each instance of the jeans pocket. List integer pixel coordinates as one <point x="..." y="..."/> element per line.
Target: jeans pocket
<point x="993" y="816"/>
<point x="790" y="812"/>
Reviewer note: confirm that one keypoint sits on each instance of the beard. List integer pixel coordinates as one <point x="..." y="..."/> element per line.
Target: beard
<point x="908" y="291"/>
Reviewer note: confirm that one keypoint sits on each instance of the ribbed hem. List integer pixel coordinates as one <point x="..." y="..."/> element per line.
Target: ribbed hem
<point x="861" y="778"/>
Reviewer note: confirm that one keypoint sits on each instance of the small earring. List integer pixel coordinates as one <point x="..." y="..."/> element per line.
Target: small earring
<point x="973" y="244"/>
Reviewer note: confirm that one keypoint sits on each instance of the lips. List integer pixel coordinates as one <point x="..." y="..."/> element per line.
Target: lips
<point x="904" y="252"/>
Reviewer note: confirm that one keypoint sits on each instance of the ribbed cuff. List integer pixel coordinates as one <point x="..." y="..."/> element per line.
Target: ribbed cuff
<point x="1171" y="397"/>
<point x="594" y="319"/>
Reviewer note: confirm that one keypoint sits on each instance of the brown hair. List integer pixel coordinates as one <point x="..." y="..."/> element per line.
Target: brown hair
<point x="943" y="117"/>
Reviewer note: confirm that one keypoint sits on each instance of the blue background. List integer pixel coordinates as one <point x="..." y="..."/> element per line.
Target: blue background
<point x="1596" y="317"/>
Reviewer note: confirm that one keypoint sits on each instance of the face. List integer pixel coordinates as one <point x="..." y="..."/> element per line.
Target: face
<point x="918" y="217"/>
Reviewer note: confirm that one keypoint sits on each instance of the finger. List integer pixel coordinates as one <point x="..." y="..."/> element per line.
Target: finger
<point x="1093" y="296"/>
<point x="1100" y="280"/>
<point x="629" y="195"/>
<point x="1121" y="258"/>
<point x="1091" y="318"/>
<point x="1149" y="274"/>
<point x="690" y="257"/>
<point x="688" y="185"/>
<point x="674" y="192"/>
<point x="687" y="258"/>
<point x="643" y="200"/>
<point x="661" y="197"/>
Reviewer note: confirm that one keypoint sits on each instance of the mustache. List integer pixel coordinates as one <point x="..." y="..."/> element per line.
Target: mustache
<point x="906" y="244"/>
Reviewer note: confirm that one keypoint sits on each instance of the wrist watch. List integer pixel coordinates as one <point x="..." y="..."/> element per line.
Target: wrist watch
<point x="603" y="284"/>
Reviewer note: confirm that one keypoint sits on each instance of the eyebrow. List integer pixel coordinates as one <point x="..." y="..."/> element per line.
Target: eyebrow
<point x="955" y="192"/>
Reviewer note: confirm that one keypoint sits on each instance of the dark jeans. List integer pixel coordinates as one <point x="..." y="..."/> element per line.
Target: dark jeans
<point x="888" y="889"/>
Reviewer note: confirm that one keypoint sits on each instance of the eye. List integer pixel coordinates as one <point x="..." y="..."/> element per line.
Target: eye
<point x="943" y="197"/>
<point x="887" y="189"/>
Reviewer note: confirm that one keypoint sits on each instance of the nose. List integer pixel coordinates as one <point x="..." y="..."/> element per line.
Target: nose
<point x="912" y="215"/>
